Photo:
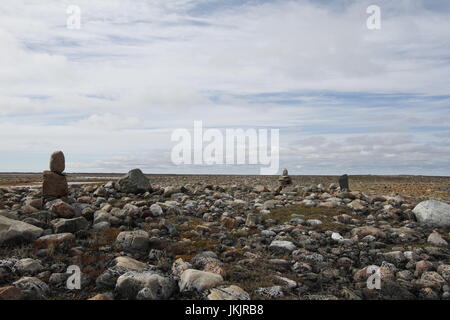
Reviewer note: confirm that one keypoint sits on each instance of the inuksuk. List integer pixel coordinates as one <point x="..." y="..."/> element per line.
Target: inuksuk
<point x="285" y="180"/>
<point x="55" y="181"/>
<point x="343" y="183"/>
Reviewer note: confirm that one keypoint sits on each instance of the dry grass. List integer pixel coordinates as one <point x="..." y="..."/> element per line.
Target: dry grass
<point x="104" y="237"/>
<point x="284" y="214"/>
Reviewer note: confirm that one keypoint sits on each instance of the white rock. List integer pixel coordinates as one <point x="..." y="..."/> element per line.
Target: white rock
<point x="436" y="239"/>
<point x="192" y="279"/>
<point x="145" y="285"/>
<point x="279" y="245"/>
<point x="228" y="293"/>
<point x="268" y="233"/>
<point x="313" y="222"/>
<point x="309" y="203"/>
<point x="179" y="266"/>
<point x="287" y="282"/>
<point x="433" y="212"/>
<point x="336" y="236"/>
<point x="130" y="263"/>
<point x="156" y="210"/>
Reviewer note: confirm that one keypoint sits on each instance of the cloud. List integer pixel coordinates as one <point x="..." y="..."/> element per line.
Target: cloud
<point x="137" y="70"/>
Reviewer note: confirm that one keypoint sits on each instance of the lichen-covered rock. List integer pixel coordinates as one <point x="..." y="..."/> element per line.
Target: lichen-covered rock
<point x="145" y="285"/>
<point x="228" y="293"/>
<point x="32" y="288"/>
<point x="433" y="212"/>
<point x="134" y="182"/>
<point x="133" y="241"/>
<point x="17" y="231"/>
<point x="192" y="279"/>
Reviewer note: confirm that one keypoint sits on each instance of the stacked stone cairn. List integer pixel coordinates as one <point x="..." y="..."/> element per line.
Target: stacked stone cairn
<point x="55" y="181"/>
<point x="285" y="180"/>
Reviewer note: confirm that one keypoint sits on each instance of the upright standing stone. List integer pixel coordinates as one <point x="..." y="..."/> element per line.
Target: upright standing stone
<point x="57" y="162"/>
<point x="343" y="183"/>
<point x="55" y="181"/>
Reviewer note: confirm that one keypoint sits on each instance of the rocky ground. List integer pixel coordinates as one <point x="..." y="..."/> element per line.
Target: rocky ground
<point x="226" y="237"/>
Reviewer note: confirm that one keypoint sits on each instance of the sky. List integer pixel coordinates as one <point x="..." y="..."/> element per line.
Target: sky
<point x="346" y="99"/>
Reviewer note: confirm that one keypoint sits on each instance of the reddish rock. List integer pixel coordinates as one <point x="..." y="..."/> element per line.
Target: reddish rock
<point x="368" y="230"/>
<point x="54" y="185"/>
<point x="55" y="240"/>
<point x="422" y="266"/>
<point x="62" y="209"/>
<point x="229" y="223"/>
<point x="57" y="162"/>
<point x="100" y="297"/>
<point x="10" y="293"/>
<point x="85" y="199"/>
<point x="214" y="268"/>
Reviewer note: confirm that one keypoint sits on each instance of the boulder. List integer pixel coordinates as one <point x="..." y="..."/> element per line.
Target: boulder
<point x="228" y="293"/>
<point x="145" y="285"/>
<point x="101" y="296"/>
<point x="54" y="185"/>
<point x="361" y="232"/>
<point x="32" y="288"/>
<point x="134" y="182"/>
<point x="57" y="162"/>
<point x="192" y="279"/>
<point x="62" y="209"/>
<point x="10" y="293"/>
<point x="156" y="210"/>
<point x="130" y="263"/>
<point x="17" y="231"/>
<point x="133" y="241"/>
<point x="436" y="239"/>
<point x="70" y="225"/>
<point x="433" y="212"/>
<point x="28" y="266"/>
<point x="107" y="280"/>
<point x="55" y="240"/>
<point x="279" y="246"/>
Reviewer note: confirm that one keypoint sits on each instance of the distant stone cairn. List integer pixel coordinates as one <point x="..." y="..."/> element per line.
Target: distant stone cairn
<point x="343" y="183"/>
<point x="285" y="179"/>
<point x="55" y="181"/>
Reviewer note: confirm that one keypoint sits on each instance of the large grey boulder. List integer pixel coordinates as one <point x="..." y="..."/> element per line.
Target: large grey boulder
<point x="433" y="213"/>
<point x="145" y="285"/>
<point x="133" y="241"/>
<point x="196" y="280"/>
<point x="134" y="182"/>
<point x="17" y="231"/>
<point x="28" y="266"/>
<point x="280" y="246"/>
<point x="70" y="225"/>
<point x="33" y="288"/>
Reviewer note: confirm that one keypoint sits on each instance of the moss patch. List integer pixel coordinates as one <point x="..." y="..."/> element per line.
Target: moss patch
<point x="284" y="214"/>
